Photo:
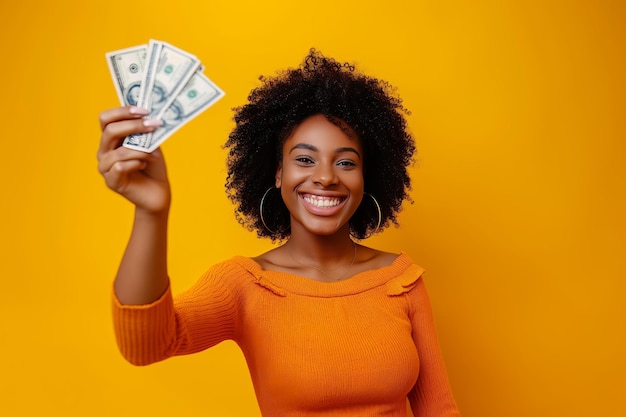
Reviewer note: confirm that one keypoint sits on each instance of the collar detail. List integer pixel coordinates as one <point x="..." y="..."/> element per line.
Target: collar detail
<point x="404" y="282"/>
<point x="399" y="277"/>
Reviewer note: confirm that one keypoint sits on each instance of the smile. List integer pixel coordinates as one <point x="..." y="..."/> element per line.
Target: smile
<point x="321" y="201"/>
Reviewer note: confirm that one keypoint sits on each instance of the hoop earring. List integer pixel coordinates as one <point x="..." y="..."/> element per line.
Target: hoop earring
<point x="261" y="210"/>
<point x="380" y="213"/>
<point x="380" y="218"/>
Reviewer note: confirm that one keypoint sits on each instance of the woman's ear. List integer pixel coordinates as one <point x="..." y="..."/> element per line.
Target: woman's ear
<point x="279" y="174"/>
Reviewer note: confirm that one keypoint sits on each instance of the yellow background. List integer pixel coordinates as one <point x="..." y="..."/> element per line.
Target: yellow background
<point x="518" y="111"/>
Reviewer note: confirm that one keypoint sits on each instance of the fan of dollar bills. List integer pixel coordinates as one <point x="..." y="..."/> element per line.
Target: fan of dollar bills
<point x="165" y="80"/>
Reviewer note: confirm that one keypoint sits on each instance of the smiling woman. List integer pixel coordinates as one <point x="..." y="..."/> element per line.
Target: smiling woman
<point x="329" y="327"/>
<point x="320" y="176"/>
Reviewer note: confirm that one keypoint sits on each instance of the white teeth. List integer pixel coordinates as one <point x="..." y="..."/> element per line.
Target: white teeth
<point x="323" y="202"/>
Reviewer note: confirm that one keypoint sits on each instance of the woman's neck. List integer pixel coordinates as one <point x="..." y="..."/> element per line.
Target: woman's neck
<point x="320" y="248"/>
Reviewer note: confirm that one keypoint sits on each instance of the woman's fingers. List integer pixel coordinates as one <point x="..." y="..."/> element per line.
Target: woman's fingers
<point x="114" y="133"/>
<point x="107" y="160"/>
<point x="141" y="178"/>
<point x="121" y="113"/>
<point x="121" y="122"/>
<point x="117" y="177"/>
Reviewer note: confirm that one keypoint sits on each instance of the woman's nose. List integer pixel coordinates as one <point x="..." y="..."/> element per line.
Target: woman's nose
<point x="324" y="175"/>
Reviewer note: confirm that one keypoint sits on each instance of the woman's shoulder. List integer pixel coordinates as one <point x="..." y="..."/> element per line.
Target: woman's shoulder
<point x="371" y="258"/>
<point x="272" y="260"/>
<point x="232" y="269"/>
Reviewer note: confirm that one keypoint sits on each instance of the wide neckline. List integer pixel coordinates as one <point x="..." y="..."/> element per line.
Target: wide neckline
<point x="301" y="285"/>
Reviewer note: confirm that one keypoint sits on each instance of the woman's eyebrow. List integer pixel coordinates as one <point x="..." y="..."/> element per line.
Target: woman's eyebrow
<point x="314" y="149"/>
<point x="304" y="146"/>
<point x="348" y="149"/>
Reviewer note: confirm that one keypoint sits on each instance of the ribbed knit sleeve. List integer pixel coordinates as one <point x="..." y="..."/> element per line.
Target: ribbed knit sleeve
<point x="195" y="320"/>
<point x="432" y="395"/>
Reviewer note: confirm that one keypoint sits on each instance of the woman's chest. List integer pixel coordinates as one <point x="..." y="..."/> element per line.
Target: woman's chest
<point x="325" y="352"/>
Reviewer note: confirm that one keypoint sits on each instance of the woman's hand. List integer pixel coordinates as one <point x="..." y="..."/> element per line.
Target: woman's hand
<point x="138" y="176"/>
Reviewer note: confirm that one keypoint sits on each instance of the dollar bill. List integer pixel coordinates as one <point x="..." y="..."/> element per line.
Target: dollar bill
<point x="149" y="74"/>
<point x="126" y="67"/>
<point x="176" y="67"/>
<point x="199" y="94"/>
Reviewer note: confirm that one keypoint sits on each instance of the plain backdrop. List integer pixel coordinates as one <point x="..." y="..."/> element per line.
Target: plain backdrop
<point x="518" y="193"/>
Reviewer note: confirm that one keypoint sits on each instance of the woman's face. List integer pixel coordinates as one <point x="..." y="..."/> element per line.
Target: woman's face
<point x="321" y="176"/>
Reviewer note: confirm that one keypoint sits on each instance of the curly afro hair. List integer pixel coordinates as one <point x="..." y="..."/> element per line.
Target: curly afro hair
<point x="320" y="85"/>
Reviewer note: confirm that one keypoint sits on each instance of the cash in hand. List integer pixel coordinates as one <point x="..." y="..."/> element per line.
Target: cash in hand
<point x="165" y="80"/>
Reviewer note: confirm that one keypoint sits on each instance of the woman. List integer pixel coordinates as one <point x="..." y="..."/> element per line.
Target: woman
<point x="317" y="161"/>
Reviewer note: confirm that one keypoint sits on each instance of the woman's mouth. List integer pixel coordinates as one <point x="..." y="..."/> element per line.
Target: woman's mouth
<point x="322" y="201"/>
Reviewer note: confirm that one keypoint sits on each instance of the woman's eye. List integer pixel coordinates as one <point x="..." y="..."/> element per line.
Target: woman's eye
<point x="346" y="163"/>
<point x="304" y="160"/>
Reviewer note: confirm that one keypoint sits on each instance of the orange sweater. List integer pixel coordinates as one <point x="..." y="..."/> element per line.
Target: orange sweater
<point x="357" y="347"/>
